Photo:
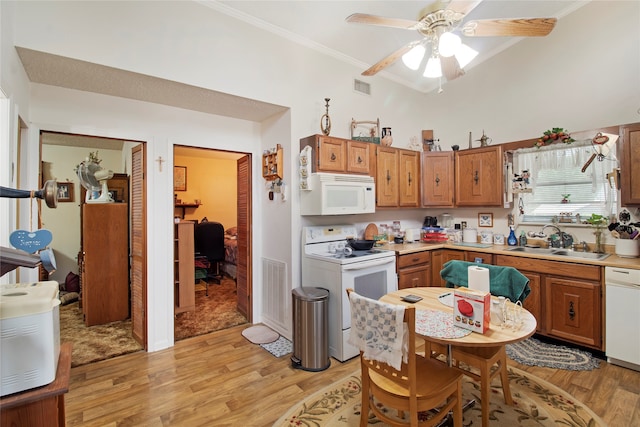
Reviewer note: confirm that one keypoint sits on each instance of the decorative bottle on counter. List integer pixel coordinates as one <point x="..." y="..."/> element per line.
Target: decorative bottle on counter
<point x="512" y="240"/>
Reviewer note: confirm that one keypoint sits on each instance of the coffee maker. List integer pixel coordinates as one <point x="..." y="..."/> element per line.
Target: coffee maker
<point x="430" y="221"/>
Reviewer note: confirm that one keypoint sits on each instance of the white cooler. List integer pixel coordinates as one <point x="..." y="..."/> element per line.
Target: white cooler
<point x="30" y="335"/>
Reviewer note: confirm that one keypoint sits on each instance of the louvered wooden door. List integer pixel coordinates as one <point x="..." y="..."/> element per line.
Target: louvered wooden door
<point x="244" y="273"/>
<point x="138" y="252"/>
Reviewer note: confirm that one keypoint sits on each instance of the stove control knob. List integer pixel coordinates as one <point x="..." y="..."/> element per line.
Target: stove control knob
<point x="347" y="250"/>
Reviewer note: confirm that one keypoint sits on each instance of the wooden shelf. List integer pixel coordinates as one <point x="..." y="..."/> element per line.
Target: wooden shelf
<point x="272" y="165"/>
<point x="183" y="206"/>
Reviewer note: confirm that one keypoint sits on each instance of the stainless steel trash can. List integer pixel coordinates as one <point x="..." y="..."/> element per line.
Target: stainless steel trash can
<point x="310" y="329"/>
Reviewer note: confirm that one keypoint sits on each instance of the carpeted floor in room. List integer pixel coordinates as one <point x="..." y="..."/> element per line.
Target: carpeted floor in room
<point x="91" y="344"/>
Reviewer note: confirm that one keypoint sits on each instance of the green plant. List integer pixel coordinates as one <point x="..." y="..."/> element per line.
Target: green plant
<point x="598" y="221"/>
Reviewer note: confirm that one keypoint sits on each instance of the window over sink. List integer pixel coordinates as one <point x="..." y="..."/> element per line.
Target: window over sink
<point x="557" y="186"/>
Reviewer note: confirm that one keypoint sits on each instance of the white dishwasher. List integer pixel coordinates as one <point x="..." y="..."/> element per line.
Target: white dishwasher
<point x="622" y="307"/>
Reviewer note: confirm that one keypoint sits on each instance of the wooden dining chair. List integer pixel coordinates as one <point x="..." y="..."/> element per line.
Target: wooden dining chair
<point x="424" y="388"/>
<point x="483" y="364"/>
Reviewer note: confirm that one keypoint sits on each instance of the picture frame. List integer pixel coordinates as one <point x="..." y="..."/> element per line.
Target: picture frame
<point x="65" y="192"/>
<point x="179" y="178"/>
<point x="485" y="220"/>
<point x="115" y="194"/>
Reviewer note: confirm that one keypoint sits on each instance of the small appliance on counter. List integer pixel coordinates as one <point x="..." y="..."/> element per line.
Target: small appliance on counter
<point x="30" y="330"/>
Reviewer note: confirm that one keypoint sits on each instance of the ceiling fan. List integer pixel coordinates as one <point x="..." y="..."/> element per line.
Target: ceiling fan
<point x="437" y="24"/>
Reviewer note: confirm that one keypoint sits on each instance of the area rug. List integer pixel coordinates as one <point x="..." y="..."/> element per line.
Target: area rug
<point x="213" y="313"/>
<point x="279" y="347"/>
<point x="260" y="334"/>
<point x="94" y="343"/>
<point x="536" y="403"/>
<point x="533" y="352"/>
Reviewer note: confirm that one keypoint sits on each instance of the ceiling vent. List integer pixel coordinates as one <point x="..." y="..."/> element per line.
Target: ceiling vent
<point x="362" y="87"/>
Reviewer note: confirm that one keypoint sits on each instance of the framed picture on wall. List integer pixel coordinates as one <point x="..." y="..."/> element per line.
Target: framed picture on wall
<point x="485" y="220"/>
<point x="179" y="178"/>
<point x="65" y="191"/>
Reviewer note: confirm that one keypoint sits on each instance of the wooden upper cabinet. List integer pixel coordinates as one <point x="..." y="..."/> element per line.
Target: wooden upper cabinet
<point x="387" y="184"/>
<point x="409" y="178"/>
<point x="437" y="179"/>
<point x="358" y="157"/>
<point x="630" y="176"/>
<point x="338" y="155"/>
<point x="479" y="177"/>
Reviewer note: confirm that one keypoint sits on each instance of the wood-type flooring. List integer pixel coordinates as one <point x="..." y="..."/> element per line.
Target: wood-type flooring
<point x="221" y="379"/>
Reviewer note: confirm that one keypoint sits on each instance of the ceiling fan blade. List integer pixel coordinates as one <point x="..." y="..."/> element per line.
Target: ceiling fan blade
<point x="390" y="59"/>
<point x="524" y="27"/>
<point x="363" y="18"/>
<point x="450" y="68"/>
<point x="463" y="6"/>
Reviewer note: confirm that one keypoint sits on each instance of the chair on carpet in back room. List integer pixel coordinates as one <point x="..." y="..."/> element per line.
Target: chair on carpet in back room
<point x="393" y="374"/>
<point x="490" y="361"/>
<point x="209" y="251"/>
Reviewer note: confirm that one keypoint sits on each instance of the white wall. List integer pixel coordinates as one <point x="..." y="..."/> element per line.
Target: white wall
<point x="538" y="84"/>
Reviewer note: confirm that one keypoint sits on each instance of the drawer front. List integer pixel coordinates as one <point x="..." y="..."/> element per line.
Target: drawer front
<point x="417" y="258"/>
<point x="414" y="277"/>
<point x="567" y="269"/>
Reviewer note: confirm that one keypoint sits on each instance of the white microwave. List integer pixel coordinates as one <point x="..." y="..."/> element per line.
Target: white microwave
<point x="338" y="194"/>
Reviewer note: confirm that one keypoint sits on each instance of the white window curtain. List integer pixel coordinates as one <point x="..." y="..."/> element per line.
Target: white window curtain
<point x="556" y="171"/>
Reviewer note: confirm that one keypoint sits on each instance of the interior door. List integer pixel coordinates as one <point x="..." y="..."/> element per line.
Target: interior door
<point x="138" y="251"/>
<point x="244" y="273"/>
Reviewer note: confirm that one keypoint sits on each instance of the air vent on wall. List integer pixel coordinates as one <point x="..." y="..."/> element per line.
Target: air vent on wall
<point x="362" y="87"/>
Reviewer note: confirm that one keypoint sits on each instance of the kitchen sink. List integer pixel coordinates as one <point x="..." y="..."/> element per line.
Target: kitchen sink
<point x="559" y="252"/>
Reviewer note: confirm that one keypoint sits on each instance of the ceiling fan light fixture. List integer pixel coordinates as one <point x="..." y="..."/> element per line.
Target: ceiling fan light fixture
<point x="449" y="44"/>
<point x="433" y="69"/>
<point x="413" y="58"/>
<point x="465" y="55"/>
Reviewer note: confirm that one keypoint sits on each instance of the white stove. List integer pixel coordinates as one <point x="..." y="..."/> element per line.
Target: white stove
<point x="329" y="262"/>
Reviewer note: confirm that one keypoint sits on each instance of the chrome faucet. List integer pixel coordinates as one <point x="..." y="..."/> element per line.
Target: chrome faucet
<point x="560" y="234"/>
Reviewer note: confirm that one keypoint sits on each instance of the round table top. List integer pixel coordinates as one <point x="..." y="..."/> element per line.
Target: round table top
<point x="496" y="335"/>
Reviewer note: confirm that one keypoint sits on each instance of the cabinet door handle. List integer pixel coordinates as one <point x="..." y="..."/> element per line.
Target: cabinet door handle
<point x="359" y="159"/>
<point x="409" y="178"/>
<point x="333" y="156"/>
<point x="476" y="177"/>
<point x="437" y="180"/>
<point x="572" y="312"/>
<point x="388" y="177"/>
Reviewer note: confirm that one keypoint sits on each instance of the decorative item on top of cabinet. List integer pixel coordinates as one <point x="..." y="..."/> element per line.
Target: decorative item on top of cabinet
<point x="437" y="179"/>
<point x="478" y="177"/>
<point x="325" y="120"/>
<point x="272" y="164"/>
<point x="373" y="132"/>
<point x="387" y="138"/>
<point x="630" y="176"/>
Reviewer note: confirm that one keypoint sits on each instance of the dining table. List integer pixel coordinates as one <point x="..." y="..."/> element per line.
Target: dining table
<point x="435" y="323"/>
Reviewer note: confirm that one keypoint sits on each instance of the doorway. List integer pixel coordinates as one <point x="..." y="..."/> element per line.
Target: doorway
<point x="213" y="186"/>
<point x="81" y="247"/>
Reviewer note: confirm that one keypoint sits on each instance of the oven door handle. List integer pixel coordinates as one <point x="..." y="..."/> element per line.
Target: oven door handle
<point x="367" y="264"/>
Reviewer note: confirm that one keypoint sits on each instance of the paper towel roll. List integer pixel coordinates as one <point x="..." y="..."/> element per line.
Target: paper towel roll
<point x="478" y="278"/>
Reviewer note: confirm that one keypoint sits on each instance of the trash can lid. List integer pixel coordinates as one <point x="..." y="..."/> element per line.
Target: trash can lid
<point x="311" y="294"/>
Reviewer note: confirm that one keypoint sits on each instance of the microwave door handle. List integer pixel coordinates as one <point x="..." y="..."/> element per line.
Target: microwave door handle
<point x="367" y="264"/>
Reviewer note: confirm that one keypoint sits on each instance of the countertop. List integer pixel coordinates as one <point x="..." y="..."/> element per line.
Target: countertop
<point x="407" y="248"/>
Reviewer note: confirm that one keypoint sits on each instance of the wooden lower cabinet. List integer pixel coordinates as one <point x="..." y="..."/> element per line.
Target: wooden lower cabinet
<point x="184" y="268"/>
<point x="414" y="270"/>
<point x="104" y="265"/>
<point x="574" y="310"/>
<point x="565" y="298"/>
<point x="484" y="258"/>
<point x="440" y="257"/>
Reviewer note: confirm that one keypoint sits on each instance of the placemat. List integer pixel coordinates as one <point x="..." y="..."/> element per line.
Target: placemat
<point x="438" y="324"/>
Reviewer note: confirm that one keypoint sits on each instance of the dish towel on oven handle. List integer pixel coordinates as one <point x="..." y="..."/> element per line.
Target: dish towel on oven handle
<point x="378" y="330"/>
